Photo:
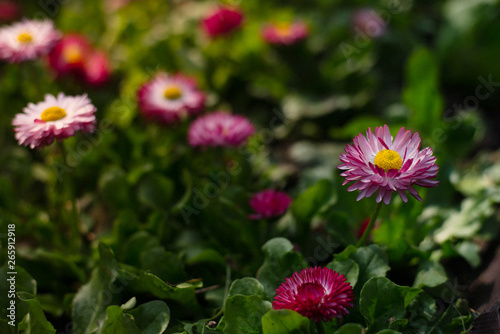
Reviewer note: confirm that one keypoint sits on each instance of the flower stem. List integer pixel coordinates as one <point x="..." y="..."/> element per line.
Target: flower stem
<point x="320" y="328"/>
<point x="369" y="228"/>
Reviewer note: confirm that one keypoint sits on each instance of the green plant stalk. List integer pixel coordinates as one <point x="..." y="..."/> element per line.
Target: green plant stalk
<point x="73" y="225"/>
<point x="369" y="228"/>
<point x="320" y="328"/>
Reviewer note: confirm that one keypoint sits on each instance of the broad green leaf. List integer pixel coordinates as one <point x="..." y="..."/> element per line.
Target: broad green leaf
<point x="182" y="293"/>
<point x="430" y="274"/>
<point x="114" y="188"/>
<point x="118" y="322"/>
<point x="243" y="314"/>
<point x="165" y="265"/>
<point x="383" y="302"/>
<point x="156" y="190"/>
<point x="351" y="329"/>
<point x="152" y="317"/>
<point x="91" y="300"/>
<point x="34" y="321"/>
<point x="247" y="286"/>
<point x="280" y="262"/>
<point x="421" y="94"/>
<point x="470" y="252"/>
<point x="308" y="203"/>
<point x="348" y="268"/>
<point x="284" y="322"/>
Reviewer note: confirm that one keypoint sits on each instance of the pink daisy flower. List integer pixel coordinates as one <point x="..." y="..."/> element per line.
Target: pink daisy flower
<point x="284" y="33"/>
<point x="380" y="163"/>
<point x="316" y="293"/>
<point x="369" y="22"/>
<point x="170" y="98"/>
<point x="54" y="118"/>
<point x="269" y="203"/>
<point x="70" y="54"/>
<point x="222" y="21"/>
<point x="27" y="40"/>
<point x="220" y="129"/>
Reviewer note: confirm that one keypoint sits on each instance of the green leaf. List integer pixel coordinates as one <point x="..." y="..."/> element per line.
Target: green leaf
<point x="156" y="190"/>
<point x="430" y="274"/>
<point x="152" y="317"/>
<point x="347" y="267"/>
<point x="165" y="265"/>
<point x="371" y="261"/>
<point x="470" y="252"/>
<point x="182" y="293"/>
<point x="114" y="188"/>
<point x="91" y="300"/>
<point x="383" y="302"/>
<point x="118" y="322"/>
<point x="309" y="202"/>
<point x="351" y="329"/>
<point x="247" y="286"/>
<point x="243" y="314"/>
<point x="34" y="321"/>
<point x="280" y="262"/>
<point x="284" y="322"/>
<point x="421" y="94"/>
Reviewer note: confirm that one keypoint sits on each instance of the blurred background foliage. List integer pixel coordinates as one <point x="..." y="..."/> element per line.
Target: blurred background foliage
<point x="163" y="223"/>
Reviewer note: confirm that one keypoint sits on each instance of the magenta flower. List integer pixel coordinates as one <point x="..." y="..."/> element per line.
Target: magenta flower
<point x="368" y="22"/>
<point x="54" y="118"/>
<point x="377" y="162"/>
<point x="170" y="98"/>
<point x="269" y="203"/>
<point x="27" y="40"/>
<point x="96" y="70"/>
<point x="220" y="129"/>
<point x="9" y="11"/>
<point x="222" y="21"/>
<point x="316" y="293"/>
<point x="70" y="54"/>
<point x="284" y="33"/>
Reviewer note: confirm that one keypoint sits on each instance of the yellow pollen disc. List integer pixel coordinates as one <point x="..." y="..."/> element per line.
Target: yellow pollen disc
<point x="172" y="93"/>
<point x="53" y="114"/>
<point x="388" y="159"/>
<point x="283" y="29"/>
<point x="24" y="37"/>
<point x="72" y="54"/>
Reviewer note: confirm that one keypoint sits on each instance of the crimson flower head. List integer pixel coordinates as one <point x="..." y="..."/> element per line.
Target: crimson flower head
<point x="316" y="293"/>
<point x="9" y="11"/>
<point x="220" y="129"/>
<point x="269" y="203"/>
<point x="377" y="162"/>
<point x="170" y="98"/>
<point x="74" y="55"/>
<point x="222" y="21"/>
<point x="287" y="33"/>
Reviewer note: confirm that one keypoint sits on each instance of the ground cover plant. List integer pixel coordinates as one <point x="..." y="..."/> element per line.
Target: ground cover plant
<point x="247" y="166"/>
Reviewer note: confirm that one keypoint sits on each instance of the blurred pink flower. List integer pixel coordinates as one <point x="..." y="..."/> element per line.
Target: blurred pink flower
<point x="9" y="11"/>
<point x="27" y="40"/>
<point x="170" y="98"/>
<point x="377" y="162"/>
<point x="269" y="203"/>
<point x="54" y="118"/>
<point x="284" y="33"/>
<point x="96" y="69"/>
<point x="74" y="55"/>
<point x="222" y="21"/>
<point x="368" y="22"/>
<point x="316" y="293"/>
<point x="220" y="129"/>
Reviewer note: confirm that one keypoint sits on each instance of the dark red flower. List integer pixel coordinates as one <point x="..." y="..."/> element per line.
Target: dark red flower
<point x="316" y="293"/>
<point x="222" y="22"/>
<point x="9" y="11"/>
<point x="269" y="203"/>
<point x="96" y="69"/>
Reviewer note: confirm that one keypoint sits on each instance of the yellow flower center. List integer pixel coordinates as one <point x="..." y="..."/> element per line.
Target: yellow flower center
<point x="72" y="54"/>
<point x="388" y="159"/>
<point x="24" y="37"/>
<point x="53" y="114"/>
<point x="283" y="29"/>
<point x="172" y="93"/>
